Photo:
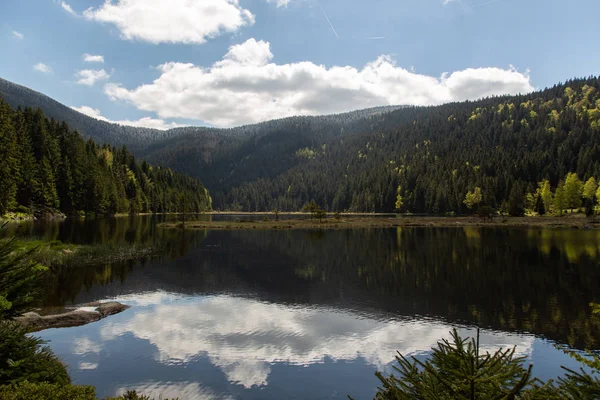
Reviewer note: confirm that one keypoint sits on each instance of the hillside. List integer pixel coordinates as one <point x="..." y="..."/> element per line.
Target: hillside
<point x="429" y="158"/>
<point x="102" y="132"/>
<point x="45" y="166"/>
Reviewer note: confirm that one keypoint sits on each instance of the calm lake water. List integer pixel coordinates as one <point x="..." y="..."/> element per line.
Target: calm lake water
<point x="313" y="314"/>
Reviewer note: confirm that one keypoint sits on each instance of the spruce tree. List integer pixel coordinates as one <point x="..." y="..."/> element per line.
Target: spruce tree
<point x="458" y="370"/>
<point x="8" y="160"/>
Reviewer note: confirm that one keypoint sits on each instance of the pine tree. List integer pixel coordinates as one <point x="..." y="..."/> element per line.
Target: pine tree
<point x="27" y="188"/>
<point x="8" y="161"/>
<point x="457" y="370"/>
<point x="516" y="206"/>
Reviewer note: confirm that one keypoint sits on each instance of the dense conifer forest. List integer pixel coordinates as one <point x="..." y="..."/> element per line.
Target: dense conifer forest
<point x="517" y="154"/>
<point x="415" y="159"/>
<point x="45" y="166"/>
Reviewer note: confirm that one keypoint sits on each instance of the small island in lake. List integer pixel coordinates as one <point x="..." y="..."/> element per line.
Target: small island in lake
<point x="355" y="222"/>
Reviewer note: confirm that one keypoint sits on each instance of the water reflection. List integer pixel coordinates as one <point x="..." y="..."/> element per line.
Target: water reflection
<point x="312" y="314"/>
<point x="538" y="281"/>
<point x="245" y="340"/>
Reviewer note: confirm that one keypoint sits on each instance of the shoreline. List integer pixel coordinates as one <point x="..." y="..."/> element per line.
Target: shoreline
<point x="566" y="222"/>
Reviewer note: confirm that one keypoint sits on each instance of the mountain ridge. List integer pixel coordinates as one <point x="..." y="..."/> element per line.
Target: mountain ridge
<point x="422" y="159"/>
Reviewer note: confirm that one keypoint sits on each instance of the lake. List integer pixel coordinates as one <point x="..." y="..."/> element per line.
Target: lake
<point x="313" y="314"/>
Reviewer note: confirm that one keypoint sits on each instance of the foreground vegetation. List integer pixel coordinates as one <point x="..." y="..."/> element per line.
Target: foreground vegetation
<point x="46" y="167"/>
<point x="458" y="370"/>
<point x="28" y="369"/>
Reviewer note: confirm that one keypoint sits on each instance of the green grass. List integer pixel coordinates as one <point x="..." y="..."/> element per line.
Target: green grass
<point x="57" y="253"/>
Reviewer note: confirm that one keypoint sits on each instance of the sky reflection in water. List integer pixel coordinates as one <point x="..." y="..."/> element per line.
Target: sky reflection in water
<point x="204" y="347"/>
<point x="313" y="314"/>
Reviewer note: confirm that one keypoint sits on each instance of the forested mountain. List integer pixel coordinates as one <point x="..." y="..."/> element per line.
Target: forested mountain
<point x="102" y="132"/>
<point x="429" y="158"/>
<point x="46" y="166"/>
<point x="417" y="159"/>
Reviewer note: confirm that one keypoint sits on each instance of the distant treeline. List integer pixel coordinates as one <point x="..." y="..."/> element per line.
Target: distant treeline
<point x="44" y="165"/>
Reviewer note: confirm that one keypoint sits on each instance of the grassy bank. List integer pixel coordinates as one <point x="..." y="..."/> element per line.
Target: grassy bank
<point x="572" y="221"/>
<point x="56" y="253"/>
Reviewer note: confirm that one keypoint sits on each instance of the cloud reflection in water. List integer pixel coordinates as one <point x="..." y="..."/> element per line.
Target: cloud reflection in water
<point x="243" y="337"/>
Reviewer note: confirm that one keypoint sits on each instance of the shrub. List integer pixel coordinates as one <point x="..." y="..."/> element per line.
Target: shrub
<point x="18" y="277"/>
<point x="486" y="212"/>
<point x="46" y="391"/>
<point x="132" y="395"/>
<point x="25" y="358"/>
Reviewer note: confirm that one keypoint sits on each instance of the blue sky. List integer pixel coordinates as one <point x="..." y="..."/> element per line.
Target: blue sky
<point x="230" y="62"/>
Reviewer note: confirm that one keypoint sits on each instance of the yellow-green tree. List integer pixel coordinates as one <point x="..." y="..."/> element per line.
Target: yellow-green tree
<point x="589" y="194"/>
<point x="546" y="194"/>
<point x="589" y="189"/>
<point x="473" y="198"/>
<point x="560" y="199"/>
<point x="399" y="199"/>
<point x="573" y="189"/>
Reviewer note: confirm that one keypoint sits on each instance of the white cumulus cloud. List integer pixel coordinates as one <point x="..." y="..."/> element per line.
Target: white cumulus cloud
<point x="280" y="3"/>
<point x="173" y="21"/>
<point x="90" y="76"/>
<point x="93" y="58"/>
<point x="84" y="345"/>
<point x="41" y="67"/>
<point x="145" y="122"/>
<point x="67" y="8"/>
<point x="87" y="365"/>
<point x="18" y="35"/>
<point x="247" y="87"/>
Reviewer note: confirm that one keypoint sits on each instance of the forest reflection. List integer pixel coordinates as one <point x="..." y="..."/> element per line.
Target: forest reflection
<point x="520" y="280"/>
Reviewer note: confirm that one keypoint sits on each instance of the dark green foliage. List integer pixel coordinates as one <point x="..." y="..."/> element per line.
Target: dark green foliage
<point x="434" y="154"/>
<point x="45" y="166"/>
<point x="24" y="358"/>
<point x="50" y="391"/>
<point x="102" y="132"/>
<point x="456" y="370"/>
<point x="316" y="212"/>
<point x="516" y="206"/>
<point x="578" y="385"/>
<point x="46" y="391"/>
<point x="133" y="395"/>
<point x="18" y="275"/>
<point x="486" y="212"/>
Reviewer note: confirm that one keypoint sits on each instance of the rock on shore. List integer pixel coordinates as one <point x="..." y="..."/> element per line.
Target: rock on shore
<point x="35" y="322"/>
